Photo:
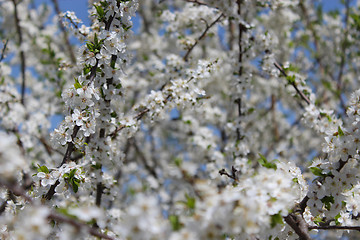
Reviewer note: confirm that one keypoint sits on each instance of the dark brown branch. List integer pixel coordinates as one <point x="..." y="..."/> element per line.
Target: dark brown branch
<point x="149" y="168"/>
<point x="76" y="224"/>
<point x="197" y="2"/>
<point x="299" y="225"/>
<point x="343" y="54"/>
<point x="273" y="117"/>
<point x="99" y="192"/>
<point x="238" y="101"/>
<point x="201" y="37"/>
<point x="238" y="133"/>
<point x="69" y="150"/>
<point x="22" y="54"/>
<point x="15" y="189"/>
<point x="51" y="191"/>
<point x="65" y="35"/>
<point x="232" y="175"/>
<point x="53" y="216"/>
<point x="70" y="147"/>
<point x="4" y="49"/>
<point x="302" y="95"/>
<point x="335" y="227"/>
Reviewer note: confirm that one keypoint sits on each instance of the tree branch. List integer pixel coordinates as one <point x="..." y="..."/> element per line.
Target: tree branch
<point x="299" y="225"/>
<point x="201" y="37"/>
<point x="335" y="227"/>
<point x="22" y="54"/>
<point x="5" y="42"/>
<point x="302" y="95"/>
<point x="65" y="35"/>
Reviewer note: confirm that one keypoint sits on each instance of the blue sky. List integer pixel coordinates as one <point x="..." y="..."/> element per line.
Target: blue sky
<point x="80" y="6"/>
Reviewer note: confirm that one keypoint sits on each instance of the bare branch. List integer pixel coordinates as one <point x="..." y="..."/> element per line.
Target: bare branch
<point x="197" y="2"/>
<point x="335" y="227"/>
<point x="65" y="35"/>
<point x="4" y="49"/>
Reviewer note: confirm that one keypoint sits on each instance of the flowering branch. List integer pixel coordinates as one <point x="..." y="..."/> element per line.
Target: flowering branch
<point x="305" y="98"/>
<point x="53" y="216"/>
<point x="202" y="36"/>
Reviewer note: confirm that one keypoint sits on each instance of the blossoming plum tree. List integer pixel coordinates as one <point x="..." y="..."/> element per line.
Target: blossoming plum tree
<point x="231" y="119"/>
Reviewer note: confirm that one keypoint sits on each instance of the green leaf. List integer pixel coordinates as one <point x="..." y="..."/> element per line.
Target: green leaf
<point x="112" y="64"/>
<point x="190" y="202"/>
<point x="276" y="219"/>
<point x="175" y="222"/>
<point x="291" y="79"/>
<point x="262" y="159"/>
<point x="90" y="46"/>
<point x="187" y="122"/>
<point x="336" y="219"/>
<point x="87" y="69"/>
<point x="96" y="41"/>
<point x="356" y="21"/>
<point x="265" y="163"/>
<point x="100" y="11"/>
<point x="77" y="85"/>
<point x="42" y="169"/>
<point x="72" y="173"/>
<point x="341" y="133"/>
<point x="75" y="185"/>
<point x="113" y="114"/>
<point x="317" y="171"/>
<point x="96" y="166"/>
<point x="250" y="110"/>
<point x="328" y="200"/>
<point x="178" y="162"/>
<point x="318" y="219"/>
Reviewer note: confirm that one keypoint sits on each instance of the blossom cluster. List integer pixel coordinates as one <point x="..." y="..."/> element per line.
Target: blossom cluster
<point x="203" y="119"/>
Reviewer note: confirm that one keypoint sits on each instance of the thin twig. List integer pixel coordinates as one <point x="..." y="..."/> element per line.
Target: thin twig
<point x="149" y="168"/>
<point x="197" y="2"/>
<point x="4" y="49"/>
<point x="202" y="36"/>
<point x="65" y="35"/>
<point x="335" y="227"/>
<point x="302" y="95"/>
<point x="232" y="175"/>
